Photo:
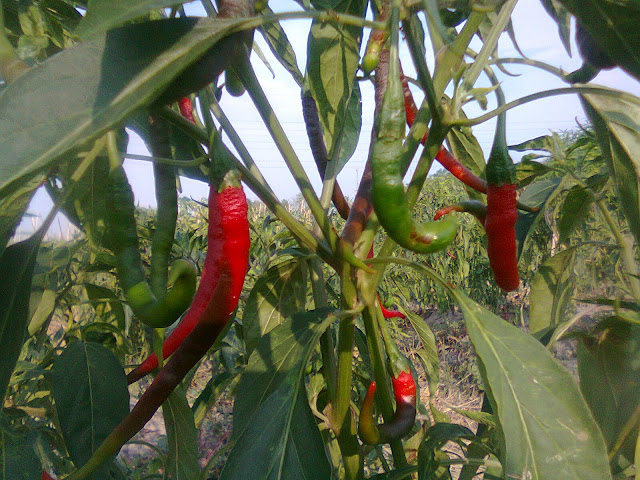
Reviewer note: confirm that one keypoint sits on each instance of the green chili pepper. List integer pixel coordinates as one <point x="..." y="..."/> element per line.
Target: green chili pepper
<point x="123" y="241"/>
<point x="389" y="199"/>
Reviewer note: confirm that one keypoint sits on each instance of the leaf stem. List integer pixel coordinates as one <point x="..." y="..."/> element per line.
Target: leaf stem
<point x="260" y="100"/>
<point x="576" y="89"/>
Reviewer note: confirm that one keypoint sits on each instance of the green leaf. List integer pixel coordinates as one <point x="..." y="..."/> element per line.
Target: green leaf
<point x="614" y="26"/>
<point x="275" y="433"/>
<point x="617" y="125"/>
<point x="91" y="397"/>
<point x="182" y="437"/>
<point x="551" y="290"/>
<point x="279" y="293"/>
<point x="549" y="432"/>
<point x="435" y="437"/>
<point x="281" y="48"/>
<point x="352" y="127"/>
<point x="563" y="18"/>
<point x="48" y="110"/>
<point x="106" y="304"/>
<point x="577" y="205"/>
<point x="103" y="15"/>
<point x="282" y="440"/>
<point x="537" y="194"/>
<point x="429" y="351"/>
<point x="332" y="62"/>
<point x="610" y="378"/>
<point x="45" y="308"/>
<point x="545" y="143"/>
<point x="12" y="208"/>
<point x="16" y="264"/>
<point x="18" y="459"/>
<point x="282" y="350"/>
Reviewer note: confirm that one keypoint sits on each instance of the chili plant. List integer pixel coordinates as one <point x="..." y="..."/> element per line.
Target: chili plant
<point x="303" y="339"/>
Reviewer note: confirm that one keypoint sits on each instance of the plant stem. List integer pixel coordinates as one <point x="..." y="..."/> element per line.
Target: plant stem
<point x="253" y="177"/>
<point x="577" y="89"/>
<point x="251" y="83"/>
<point x="327" y="347"/>
<point x="341" y="417"/>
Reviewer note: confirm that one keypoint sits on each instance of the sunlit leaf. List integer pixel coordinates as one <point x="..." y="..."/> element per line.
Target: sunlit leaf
<point x="549" y="432"/>
<point x="551" y="290"/>
<point x="280" y="46"/>
<point x="85" y="90"/>
<point x="332" y="62"/>
<point x="616" y="121"/>
<point x="275" y="433"/>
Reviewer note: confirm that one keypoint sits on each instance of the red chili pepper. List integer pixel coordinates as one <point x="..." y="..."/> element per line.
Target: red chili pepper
<point x="502" y="213"/>
<point x="186" y="108"/>
<point x="227" y="220"/>
<point x="404" y="391"/>
<point x="228" y="253"/>
<point x="501" y="235"/>
<point x="46" y="476"/>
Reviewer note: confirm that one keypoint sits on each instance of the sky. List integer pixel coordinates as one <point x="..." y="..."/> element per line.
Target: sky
<point x="537" y="37"/>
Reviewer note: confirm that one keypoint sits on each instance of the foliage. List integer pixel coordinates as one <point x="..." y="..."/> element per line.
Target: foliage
<point x="309" y="335"/>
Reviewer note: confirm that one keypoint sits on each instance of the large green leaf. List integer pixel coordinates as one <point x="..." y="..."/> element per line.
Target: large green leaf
<point x="12" y="208"/>
<point x="18" y="459"/>
<point x="282" y="49"/>
<point x="275" y="433"/>
<point x="551" y="290"/>
<point x="578" y="204"/>
<point x="279" y="293"/>
<point x="91" y="397"/>
<point x="332" y="62"/>
<point x="352" y="126"/>
<point x="537" y="194"/>
<point x="563" y="18"/>
<point x="614" y="26"/>
<point x="182" y="436"/>
<point x="16" y="264"/>
<point x="617" y="124"/>
<point x="549" y="431"/>
<point x="86" y="90"/>
<point x="609" y="368"/>
<point x="103" y="15"/>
